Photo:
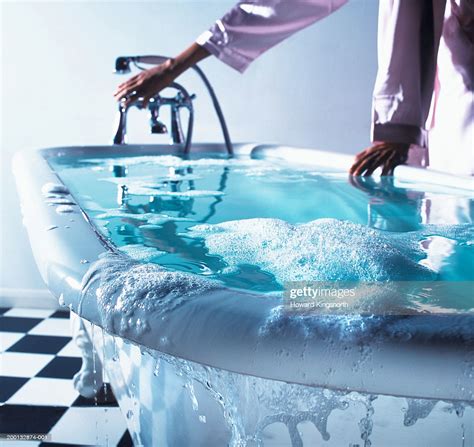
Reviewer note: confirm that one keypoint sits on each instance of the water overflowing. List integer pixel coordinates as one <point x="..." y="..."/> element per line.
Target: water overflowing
<point x="130" y="292"/>
<point x="418" y="409"/>
<point x="253" y="407"/>
<point x="94" y="372"/>
<point x="281" y="402"/>
<point x="366" y="424"/>
<point x="190" y="227"/>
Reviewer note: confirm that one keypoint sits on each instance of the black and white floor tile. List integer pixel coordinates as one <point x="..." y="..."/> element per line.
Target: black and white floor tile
<point x="38" y="359"/>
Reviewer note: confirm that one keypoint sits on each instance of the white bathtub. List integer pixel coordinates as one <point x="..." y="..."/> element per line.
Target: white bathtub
<point x="275" y="391"/>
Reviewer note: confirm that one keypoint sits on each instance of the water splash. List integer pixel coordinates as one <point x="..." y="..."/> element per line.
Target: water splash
<point x="157" y="367"/>
<point x="366" y="424"/>
<point x="192" y="395"/>
<point x="290" y="404"/>
<point x="418" y="409"/>
<point x="129" y="292"/>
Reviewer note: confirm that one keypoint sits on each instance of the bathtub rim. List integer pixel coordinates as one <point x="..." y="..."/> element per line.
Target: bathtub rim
<point x="61" y="268"/>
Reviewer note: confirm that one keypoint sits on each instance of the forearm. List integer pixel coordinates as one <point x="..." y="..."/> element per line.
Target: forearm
<point x="189" y="57"/>
<point x="251" y="28"/>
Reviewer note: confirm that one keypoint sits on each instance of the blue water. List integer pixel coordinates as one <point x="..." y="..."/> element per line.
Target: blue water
<point x="156" y="201"/>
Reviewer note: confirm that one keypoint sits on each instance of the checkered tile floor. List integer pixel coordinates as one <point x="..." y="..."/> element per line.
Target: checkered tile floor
<point x="38" y="359"/>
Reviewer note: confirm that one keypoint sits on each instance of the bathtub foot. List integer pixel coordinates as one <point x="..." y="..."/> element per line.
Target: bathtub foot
<point x="88" y="380"/>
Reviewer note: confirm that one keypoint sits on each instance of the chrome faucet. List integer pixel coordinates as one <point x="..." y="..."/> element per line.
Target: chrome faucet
<point x="176" y="103"/>
<point x="181" y="100"/>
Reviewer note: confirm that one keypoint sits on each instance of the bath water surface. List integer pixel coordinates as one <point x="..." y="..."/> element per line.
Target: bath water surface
<point x="255" y="224"/>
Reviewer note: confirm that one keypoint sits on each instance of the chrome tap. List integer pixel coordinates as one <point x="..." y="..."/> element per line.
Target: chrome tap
<point x="181" y="100"/>
<point x="156" y="125"/>
<point x="121" y="133"/>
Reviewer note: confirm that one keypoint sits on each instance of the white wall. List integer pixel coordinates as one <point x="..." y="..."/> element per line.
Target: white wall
<point x="313" y="90"/>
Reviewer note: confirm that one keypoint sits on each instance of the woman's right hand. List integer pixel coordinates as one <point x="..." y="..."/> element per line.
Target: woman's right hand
<point x="150" y="82"/>
<point x="383" y="155"/>
<point x="146" y="84"/>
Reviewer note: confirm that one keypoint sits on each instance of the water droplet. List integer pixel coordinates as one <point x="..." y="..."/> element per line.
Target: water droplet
<point x="156" y="370"/>
<point x="62" y="209"/>
<point x="51" y="227"/>
<point x="129" y="414"/>
<point x="84" y="261"/>
<point x="54" y="188"/>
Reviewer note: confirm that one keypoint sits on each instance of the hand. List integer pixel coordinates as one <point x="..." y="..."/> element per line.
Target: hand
<point x="150" y="82"/>
<point x="146" y="84"/>
<point x="385" y="155"/>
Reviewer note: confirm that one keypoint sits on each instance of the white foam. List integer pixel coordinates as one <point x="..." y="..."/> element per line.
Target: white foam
<point x="129" y="293"/>
<point x="150" y="218"/>
<point x="321" y="250"/>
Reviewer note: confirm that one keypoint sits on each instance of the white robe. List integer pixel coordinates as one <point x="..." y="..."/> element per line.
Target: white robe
<point x="408" y="41"/>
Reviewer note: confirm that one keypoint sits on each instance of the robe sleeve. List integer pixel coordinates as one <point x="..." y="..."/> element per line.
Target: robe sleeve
<point x="252" y="27"/>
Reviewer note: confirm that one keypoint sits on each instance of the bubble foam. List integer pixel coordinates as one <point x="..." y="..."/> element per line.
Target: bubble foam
<point x="321" y="250"/>
<point x="129" y="292"/>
